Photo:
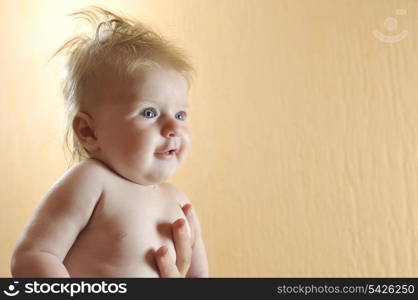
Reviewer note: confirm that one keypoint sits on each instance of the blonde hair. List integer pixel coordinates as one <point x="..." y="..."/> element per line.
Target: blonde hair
<point x="120" y="43"/>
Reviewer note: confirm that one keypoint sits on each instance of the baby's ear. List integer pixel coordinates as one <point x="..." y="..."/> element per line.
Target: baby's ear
<point x="83" y="126"/>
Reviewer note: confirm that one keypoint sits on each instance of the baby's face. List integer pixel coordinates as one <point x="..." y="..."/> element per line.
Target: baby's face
<point x="141" y="128"/>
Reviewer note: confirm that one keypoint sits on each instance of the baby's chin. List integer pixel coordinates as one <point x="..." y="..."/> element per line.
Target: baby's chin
<point x="146" y="178"/>
<point x="133" y="171"/>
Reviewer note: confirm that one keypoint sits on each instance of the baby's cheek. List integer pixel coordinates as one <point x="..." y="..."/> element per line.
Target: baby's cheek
<point x="182" y="155"/>
<point x="185" y="146"/>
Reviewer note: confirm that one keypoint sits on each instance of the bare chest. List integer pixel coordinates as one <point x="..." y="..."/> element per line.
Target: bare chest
<point x="136" y="216"/>
<point x="126" y="228"/>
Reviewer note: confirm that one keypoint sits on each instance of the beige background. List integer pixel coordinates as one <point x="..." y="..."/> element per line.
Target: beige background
<point x="305" y="129"/>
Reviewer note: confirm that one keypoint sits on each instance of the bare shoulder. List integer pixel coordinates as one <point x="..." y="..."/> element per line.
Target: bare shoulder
<point x="90" y="171"/>
<point x="65" y="210"/>
<point x="175" y="192"/>
<point x="81" y="183"/>
<point x="77" y="191"/>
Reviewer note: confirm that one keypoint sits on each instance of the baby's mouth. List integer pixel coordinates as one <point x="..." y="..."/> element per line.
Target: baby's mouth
<point x="172" y="151"/>
<point x="166" y="154"/>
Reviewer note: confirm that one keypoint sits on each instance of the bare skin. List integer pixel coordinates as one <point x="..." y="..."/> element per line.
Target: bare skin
<point x="107" y="238"/>
<point x="117" y="236"/>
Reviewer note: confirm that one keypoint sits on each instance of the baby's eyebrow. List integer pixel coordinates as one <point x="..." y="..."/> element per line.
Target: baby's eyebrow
<point x="145" y="101"/>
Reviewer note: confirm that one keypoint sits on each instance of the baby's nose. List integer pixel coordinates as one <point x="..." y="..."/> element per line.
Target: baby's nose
<point x="171" y="130"/>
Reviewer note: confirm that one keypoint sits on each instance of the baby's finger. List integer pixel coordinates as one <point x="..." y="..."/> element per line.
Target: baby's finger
<point x="166" y="264"/>
<point x="183" y="246"/>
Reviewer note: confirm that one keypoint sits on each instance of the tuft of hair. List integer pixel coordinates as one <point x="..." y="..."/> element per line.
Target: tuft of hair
<point x="119" y="43"/>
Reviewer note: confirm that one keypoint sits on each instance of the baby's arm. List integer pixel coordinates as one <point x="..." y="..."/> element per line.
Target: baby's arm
<point x="51" y="232"/>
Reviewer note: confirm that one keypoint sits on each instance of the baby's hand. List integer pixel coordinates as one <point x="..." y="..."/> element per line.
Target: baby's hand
<point x="183" y="242"/>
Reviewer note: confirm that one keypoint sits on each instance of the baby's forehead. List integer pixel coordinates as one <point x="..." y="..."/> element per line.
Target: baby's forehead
<point x="143" y="84"/>
<point x="164" y="82"/>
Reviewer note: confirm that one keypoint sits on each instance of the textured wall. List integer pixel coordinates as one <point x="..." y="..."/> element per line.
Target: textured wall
<point x="304" y="125"/>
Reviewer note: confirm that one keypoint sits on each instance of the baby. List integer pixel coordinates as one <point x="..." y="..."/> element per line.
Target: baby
<point x="126" y="97"/>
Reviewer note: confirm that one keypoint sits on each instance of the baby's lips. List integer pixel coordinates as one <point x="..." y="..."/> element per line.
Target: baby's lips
<point x="167" y="152"/>
<point x="167" y="148"/>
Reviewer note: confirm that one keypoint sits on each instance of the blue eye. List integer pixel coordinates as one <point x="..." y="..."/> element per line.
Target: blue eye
<point x="149" y="113"/>
<point x="181" y="115"/>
